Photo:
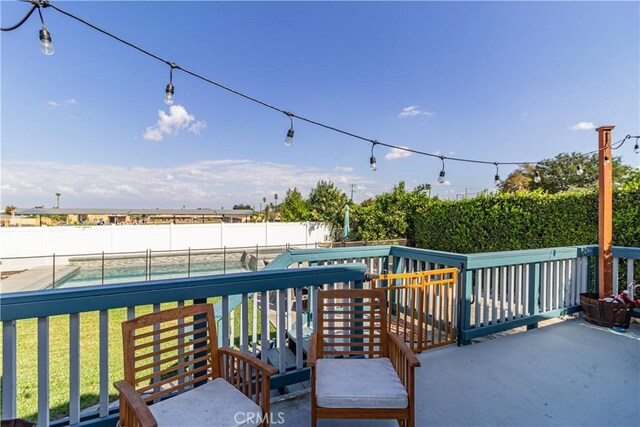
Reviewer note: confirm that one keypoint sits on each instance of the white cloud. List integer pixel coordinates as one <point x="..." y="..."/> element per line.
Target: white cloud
<point x="66" y="103"/>
<point x="583" y="126"/>
<point x="397" y="153"/>
<point x="176" y="120"/>
<point x="198" y="127"/>
<point x="205" y="183"/>
<point x="412" y="111"/>
<point x="344" y="168"/>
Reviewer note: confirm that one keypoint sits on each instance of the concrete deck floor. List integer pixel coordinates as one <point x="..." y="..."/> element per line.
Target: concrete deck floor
<point x="568" y="374"/>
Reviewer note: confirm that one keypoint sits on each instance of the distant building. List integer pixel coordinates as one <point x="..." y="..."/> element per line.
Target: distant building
<point x="101" y="216"/>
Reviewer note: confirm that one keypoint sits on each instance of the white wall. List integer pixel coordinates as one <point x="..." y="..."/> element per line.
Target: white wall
<point x="44" y="241"/>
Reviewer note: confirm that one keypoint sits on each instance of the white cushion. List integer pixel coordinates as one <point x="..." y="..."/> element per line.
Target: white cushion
<point x="359" y="383"/>
<point x="216" y="403"/>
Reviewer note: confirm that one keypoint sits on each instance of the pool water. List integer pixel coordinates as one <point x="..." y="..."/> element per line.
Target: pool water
<point x="135" y="270"/>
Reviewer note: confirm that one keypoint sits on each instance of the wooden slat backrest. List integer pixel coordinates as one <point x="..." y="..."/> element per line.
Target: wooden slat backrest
<point x="170" y="351"/>
<point x="352" y="323"/>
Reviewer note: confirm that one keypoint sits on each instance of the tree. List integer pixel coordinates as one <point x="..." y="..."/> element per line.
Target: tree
<point x="9" y="209"/>
<point x="390" y="215"/>
<point x="562" y="173"/>
<point x="326" y="204"/>
<point x="294" y="208"/>
<point x="242" y="207"/>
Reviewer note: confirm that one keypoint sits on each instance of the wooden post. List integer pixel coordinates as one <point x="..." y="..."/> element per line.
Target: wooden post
<point x="605" y="211"/>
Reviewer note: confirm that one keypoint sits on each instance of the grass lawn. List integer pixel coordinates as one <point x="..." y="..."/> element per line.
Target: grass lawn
<point x="27" y="359"/>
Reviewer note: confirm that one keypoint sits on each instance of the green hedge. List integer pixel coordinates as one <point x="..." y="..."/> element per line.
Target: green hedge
<point x="504" y="222"/>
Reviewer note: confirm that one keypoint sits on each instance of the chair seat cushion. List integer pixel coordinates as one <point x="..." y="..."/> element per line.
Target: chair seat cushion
<point x="216" y="403"/>
<point x="359" y="383"/>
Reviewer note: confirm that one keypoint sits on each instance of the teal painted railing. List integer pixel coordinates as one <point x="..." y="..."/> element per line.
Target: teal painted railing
<point x="254" y="287"/>
<point x="498" y="291"/>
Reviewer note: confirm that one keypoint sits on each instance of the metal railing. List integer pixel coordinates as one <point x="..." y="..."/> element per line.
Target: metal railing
<point x="83" y="269"/>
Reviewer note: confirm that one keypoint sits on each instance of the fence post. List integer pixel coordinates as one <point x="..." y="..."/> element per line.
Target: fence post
<point x="257" y="256"/>
<point x="53" y="285"/>
<point x="534" y="292"/>
<point x="189" y="262"/>
<point x="224" y="260"/>
<point x="103" y="267"/>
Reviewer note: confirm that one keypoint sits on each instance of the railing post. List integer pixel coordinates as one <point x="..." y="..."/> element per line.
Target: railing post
<point x="9" y="379"/>
<point x="465" y="306"/>
<point x="189" y="262"/>
<point x="534" y="292"/>
<point x="224" y="260"/>
<point x="103" y="267"/>
<point x="53" y="285"/>
<point x="43" y="371"/>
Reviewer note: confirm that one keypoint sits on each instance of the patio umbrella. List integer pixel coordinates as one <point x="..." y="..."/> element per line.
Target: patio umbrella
<point x="346" y="221"/>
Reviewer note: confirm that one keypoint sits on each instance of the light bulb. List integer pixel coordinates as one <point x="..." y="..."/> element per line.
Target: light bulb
<point x="289" y="139"/>
<point x="441" y="177"/>
<point x="46" y="46"/>
<point x="579" y="171"/>
<point x="536" y="177"/>
<point x="606" y="160"/>
<point x="496" y="180"/>
<point x="636" y="148"/>
<point x="168" y="98"/>
<point x="372" y="163"/>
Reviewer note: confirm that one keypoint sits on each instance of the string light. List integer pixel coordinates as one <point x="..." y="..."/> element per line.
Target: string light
<point x="580" y="170"/>
<point x="289" y="139"/>
<point x="636" y="148"/>
<point x="169" y="92"/>
<point x="536" y="177"/>
<point x="496" y="179"/>
<point x="372" y="160"/>
<point x="606" y="160"/>
<point x="46" y="45"/>
<point x="442" y="172"/>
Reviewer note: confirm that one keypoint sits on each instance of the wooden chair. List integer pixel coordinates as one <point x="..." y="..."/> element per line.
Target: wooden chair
<point x="358" y="368"/>
<point x="173" y="364"/>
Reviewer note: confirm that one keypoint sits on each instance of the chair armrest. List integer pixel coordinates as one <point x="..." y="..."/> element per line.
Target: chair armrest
<point x="256" y="363"/>
<point x="404" y="350"/>
<point x="311" y="353"/>
<point x="130" y="401"/>
<point x="234" y="371"/>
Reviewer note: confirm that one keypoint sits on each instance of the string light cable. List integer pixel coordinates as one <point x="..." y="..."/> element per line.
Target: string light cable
<point x="34" y="5"/>
<point x="169" y="91"/>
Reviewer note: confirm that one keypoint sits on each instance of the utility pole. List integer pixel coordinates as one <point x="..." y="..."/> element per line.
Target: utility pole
<point x="353" y="186"/>
<point x="58" y="200"/>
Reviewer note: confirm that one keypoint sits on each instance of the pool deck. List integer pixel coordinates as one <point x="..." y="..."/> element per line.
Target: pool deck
<point x="36" y="278"/>
<point x="567" y="374"/>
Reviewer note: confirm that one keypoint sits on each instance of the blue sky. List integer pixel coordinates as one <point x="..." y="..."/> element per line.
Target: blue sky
<point x="494" y="81"/>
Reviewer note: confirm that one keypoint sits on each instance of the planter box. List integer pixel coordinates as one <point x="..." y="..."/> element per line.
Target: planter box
<point x="605" y="314"/>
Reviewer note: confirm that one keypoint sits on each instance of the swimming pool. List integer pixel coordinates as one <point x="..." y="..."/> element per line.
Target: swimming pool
<point x="123" y="270"/>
